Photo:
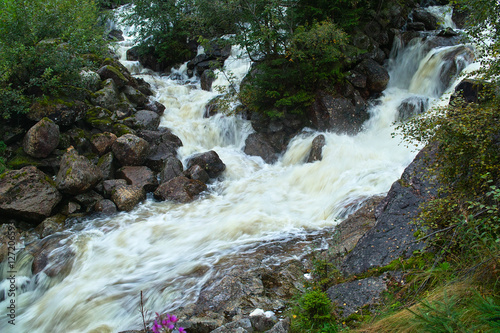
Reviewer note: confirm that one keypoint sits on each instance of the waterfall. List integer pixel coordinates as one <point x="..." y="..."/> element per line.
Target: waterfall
<point x="169" y="250"/>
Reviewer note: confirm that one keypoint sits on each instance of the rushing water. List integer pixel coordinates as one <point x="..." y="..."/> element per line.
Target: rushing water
<point x="168" y="250"/>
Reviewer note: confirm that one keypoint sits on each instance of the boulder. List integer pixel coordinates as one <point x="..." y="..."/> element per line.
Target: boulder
<point x="100" y="118"/>
<point x="282" y="326"/>
<point x="108" y="96"/>
<point x="138" y="175"/>
<point x="412" y="106"/>
<point x="126" y="197"/>
<point x="421" y="15"/>
<point x="206" y="79"/>
<point x="116" y="35"/>
<point x="28" y="194"/>
<point x="467" y="91"/>
<point x="159" y="154"/>
<point x="110" y="185"/>
<point x="135" y="96"/>
<point x="88" y="200"/>
<point x="243" y="325"/>
<point x="106" y="207"/>
<point x="106" y="165"/>
<point x="160" y="135"/>
<point x="316" y="153"/>
<point x="262" y="321"/>
<point x="60" y="112"/>
<point x="111" y="72"/>
<point x="377" y="76"/>
<point x="143" y="119"/>
<point x="129" y="149"/>
<point x="180" y="189"/>
<point x="52" y="255"/>
<point x="41" y="139"/>
<point x="209" y="161"/>
<point x="155" y="106"/>
<point x="198" y="173"/>
<point x="173" y="168"/>
<point x="77" y="174"/>
<point x="257" y="144"/>
<point x="102" y="142"/>
<point x="51" y="225"/>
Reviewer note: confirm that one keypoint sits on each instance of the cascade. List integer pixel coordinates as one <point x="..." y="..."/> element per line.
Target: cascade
<point x="168" y="250"/>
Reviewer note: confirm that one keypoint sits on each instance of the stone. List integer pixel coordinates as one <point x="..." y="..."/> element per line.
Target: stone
<point x="421" y="15"/>
<point x="28" y="194"/>
<point x="129" y="149"/>
<point x="9" y="237"/>
<point x="52" y="255"/>
<point x="77" y="174"/>
<point x="108" y="96"/>
<point x="173" y="168"/>
<point x="206" y="79"/>
<point x="155" y="106"/>
<point x="159" y="155"/>
<point x="467" y="91"/>
<point x="106" y="207"/>
<point x="135" y="96"/>
<point x="41" y="139"/>
<point x="106" y="165"/>
<point x="257" y="144"/>
<point x="102" y="142"/>
<point x="110" y="185"/>
<point x="51" y="225"/>
<point x="180" y="189"/>
<point x="196" y="172"/>
<point x="209" y="161"/>
<point x="111" y="72"/>
<point x="377" y="76"/>
<point x="316" y="153"/>
<point x="393" y="235"/>
<point x="143" y="119"/>
<point x="243" y="325"/>
<point x="60" y="112"/>
<point x="282" y="326"/>
<point x="412" y="106"/>
<point x="88" y="200"/>
<point x="160" y="135"/>
<point x="262" y="321"/>
<point x="141" y="176"/>
<point x="126" y="197"/>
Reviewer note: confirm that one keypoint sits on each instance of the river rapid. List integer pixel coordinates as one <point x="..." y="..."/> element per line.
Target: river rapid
<point x="168" y="250"/>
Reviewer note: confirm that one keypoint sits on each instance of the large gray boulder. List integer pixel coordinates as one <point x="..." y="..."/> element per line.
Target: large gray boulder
<point x="173" y="168"/>
<point x="102" y="142"/>
<point x="209" y="161"/>
<point x="130" y="149"/>
<point x="41" y="139"/>
<point x="257" y="144"/>
<point x="77" y="174"/>
<point x="141" y="176"/>
<point x="108" y="96"/>
<point x="28" y="194"/>
<point x="377" y="77"/>
<point x="126" y="197"/>
<point x="110" y="72"/>
<point x="180" y="189"/>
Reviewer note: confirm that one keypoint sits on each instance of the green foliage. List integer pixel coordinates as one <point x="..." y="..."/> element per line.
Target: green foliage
<point x="42" y="48"/>
<point x="313" y="313"/>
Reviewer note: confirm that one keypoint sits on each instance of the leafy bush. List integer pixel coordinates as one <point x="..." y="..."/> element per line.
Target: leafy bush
<point x="42" y="49"/>
<point x="314" y="313"/>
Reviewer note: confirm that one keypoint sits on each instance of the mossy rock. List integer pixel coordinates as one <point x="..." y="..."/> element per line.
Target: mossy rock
<point x="21" y="159"/>
<point x="121" y="129"/>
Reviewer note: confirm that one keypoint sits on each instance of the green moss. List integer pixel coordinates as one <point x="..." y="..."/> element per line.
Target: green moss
<point x="120" y="129"/>
<point x="21" y="159"/>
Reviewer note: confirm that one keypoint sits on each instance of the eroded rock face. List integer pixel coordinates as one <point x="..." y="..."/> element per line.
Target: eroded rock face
<point x="129" y="149"/>
<point x="209" y="161"/>
<point x="41" y="139"/>
<point x="77" y="174"/>
<point x="28" y="194"/>
<point x="180" y="189"/>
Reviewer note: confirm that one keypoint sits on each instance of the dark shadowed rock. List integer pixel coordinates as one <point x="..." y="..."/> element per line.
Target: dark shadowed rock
<point x="283" y="326"/>
<point x="88" y="200"/>
<point x="138" y="175"/>
<point x="102" y="142"/>
<point x="41" y="139"/>
<point x="262" y="322"/>
<point x="61" y="113"/>
<point x="155" y="106"/>
<point x="377" y="76"/>
<point x="243" y="325"/>
<point x="129" y="149"/>
<point x="106" y="165"/>
<point x="209" y="161"/>
<point x="412" y="106"/>
<point x="357" y="79"/>
<point x="126" y="197"/>
<point x="393" y="235"/>
<point x="257" y="144"/>
<point x="28" y="194"/>
<point x="135" y="96"/>
<point x="51" y="225"/>
<point x="467" y="91"/>
<point x="316" y="153"/>
<point x="76" y="174"/>
<point x="173" y="168"/>
<point x="9" y="236"/>
<point x="110" y="185"/>
<point x="180" y="189"/>
<point x="196" y="172"/>
<point x="206" y="79"/>
<point x="421" y="15"/>
<point x="106" y="207"/>
<point x="108" y="96"/>
<point x="160" y="135"/>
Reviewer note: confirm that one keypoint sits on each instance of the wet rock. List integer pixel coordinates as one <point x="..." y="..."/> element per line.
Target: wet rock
<point x="70" y="207"/>
<point x="116" y="35"/>
<point x="337" y="113"/>
<point x="143" y="119"/>
<point x="53" y="255"/>
<point x="106" y="207"/>
<point x="349" y="297"/>
<point x="412" y="106"/>
<point x="454" y="63"/>
<point x="209" y="161"/>
<point x="377" y="76"/>
<point x="78" y="139"/>
<point x="108" y="96"/>
<point x="173" y="168"/>
<point x="106" y="165"/>
<point x="393" y="235"/>
<point x="28" y="194"/>
<point x="155" y="106"/>
<point x="102" y="142"/>
<point x="110" y="185"/>
<point x="126" y="197"/>
<point x="135" y="96"/>
<point x="257" y="144"/>
<point x="41" y="139"/>
<point x="139" y="175"/>
<point x="88" y="200"/>
<point x="243" y="325"/>
<point x="111" y="72"/>
<point x="421" y="15"/>
<point x="159" y="155"/>
<point x="160" y="135"/>
<point x="180" y="189"/>
<point x="206" y="79"/>
<point x="262" y="321"/>
<point x="129" y="149"/>
<point x="467" y="91"/>
<point x="76" y="174"/>
<point x="357" y="79"/>
<point x="197" y="173"/>
<point x="51" y="225"/>
<point x="316" y="153"/>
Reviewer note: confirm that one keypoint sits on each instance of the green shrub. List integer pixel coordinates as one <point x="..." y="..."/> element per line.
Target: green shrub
<point x="313" y="313"/>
